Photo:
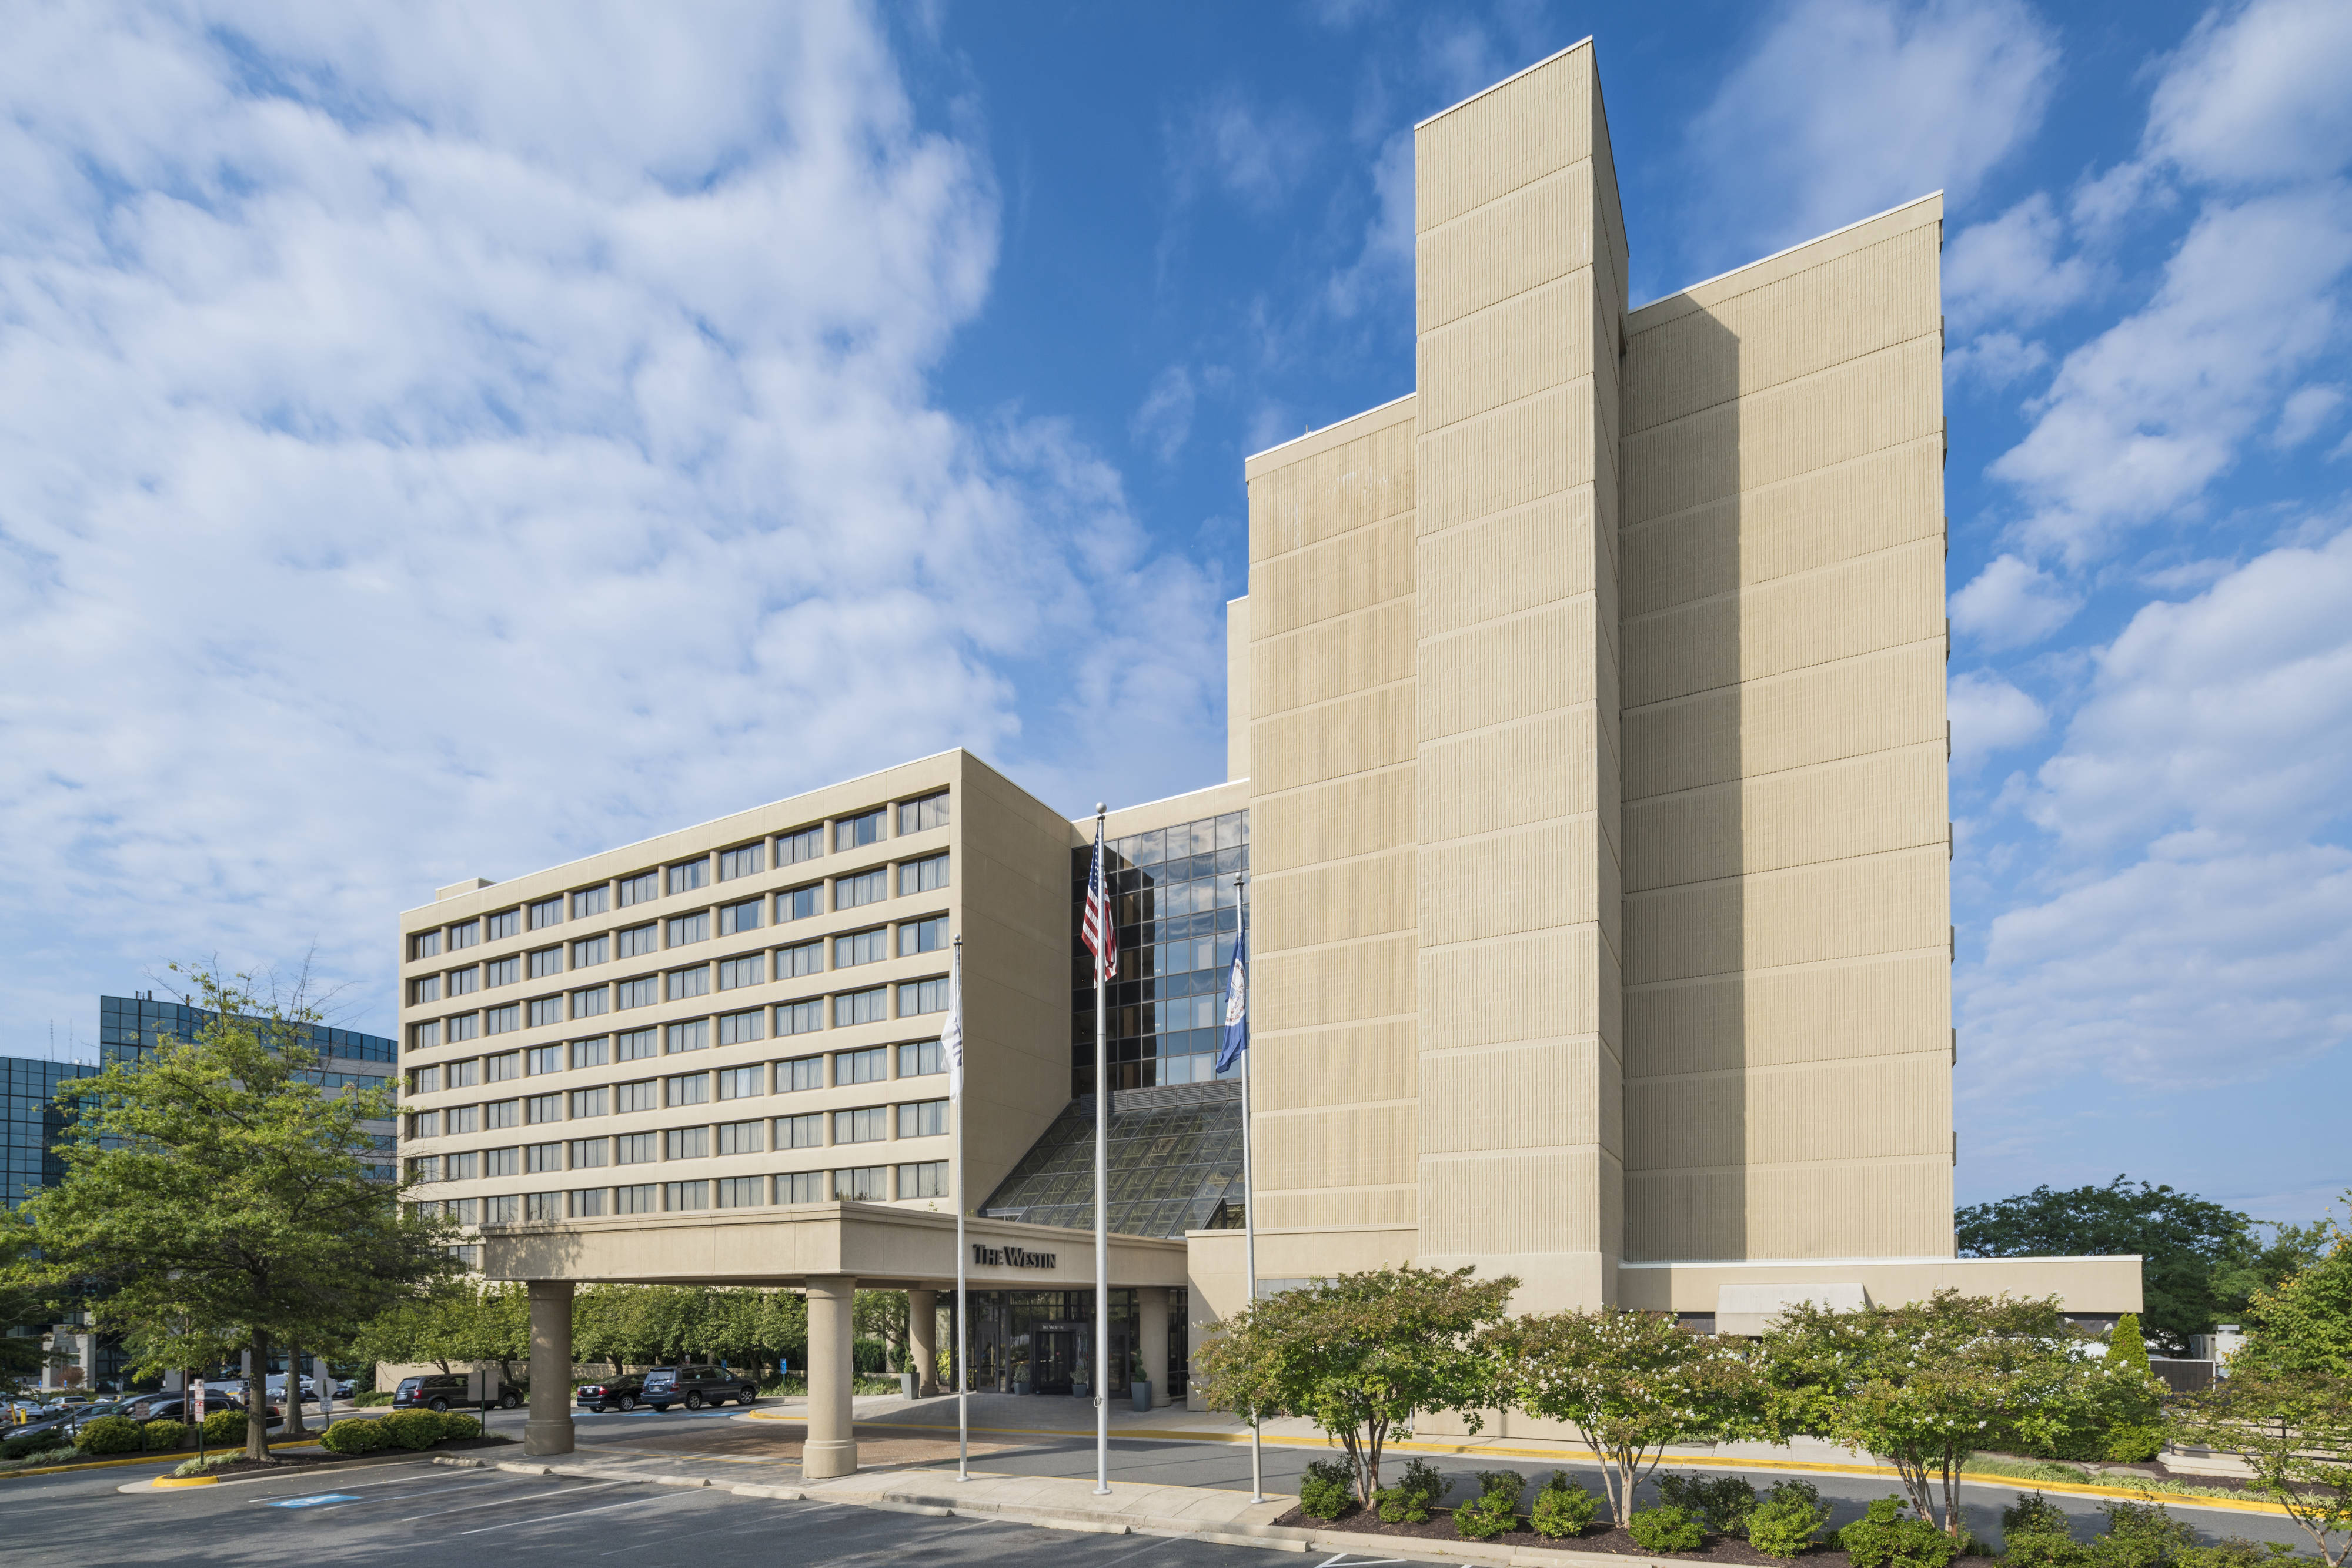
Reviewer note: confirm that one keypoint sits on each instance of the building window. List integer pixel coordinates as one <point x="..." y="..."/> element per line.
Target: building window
<point x="425" y="1124"/>
<point x="425" y="1168"/>
<point x="541" y="1108"/>
<point x="639" y="993"/>
<point x="537" y="1206"/>
<point x="465" y="934"/>
<point x="588" y="1154"/>
<point x="639" y="940"/>
<point x="861" y="948"/>
<point x="918" y="997"/>
<point x="424" y="1081"/>
<point x="923" y="1119"/>
<point x="805" y="959"/>
<point x="799" y="1073"/>
<point x="734" y="974"/>
<point x="739" y="1082"/>
<point x="866" y="1184"/>
<point x="503" y="1020"/>
<point x="801" y="1017"/>
<point x="637" y="1148"/>
<point x="588" y="1053"/>
<point x="867" y="1124"/>
<point x="692" y="875"/>
<point x="861" y="1006"/>
<point x="749" y="861"/>
<point x="538" y="1158"/>
<point x="503" y="1162"/>
<point x="588" y="901"/>
<point x="464" y="1167"/>
<point x="686" y="928"/>
<point x="694" y="1034"/>
<point x="464" y="1026"/>
<point x="857" y="892"/>
<point x="546" y="1011"/>
<point x="856" y="832"/>
<point x="498" y="1115"/>
<point x="688" y="1143"/>
<point x="463" y="1118"/>
<point x="917" y="816"/>
<point x="801" y="1186"/>
<point x="689" y="1089"/>
<point x="465" y="1075"/>
<point x="504" y="971"/>
<point x="688" y="983"/>
<point x="793" y="848"/>
<point x="871" y="1065"/>
<point x="465" y="982"/>
<point x="742" y="1192"/>
<point x="546" y="912"/>
<point x="588" y="1203"/>
<point x="592" y="950"/>
<point x="739" y="918"/>
<point x="678" y="1195"/>
<point x="643" y="888"/>
<point x="738" y="1138"/>
<point x="426" y="988"/>
<point x="800" y="1132"/>
<point x="506" y="923"/>
<point x="425" y="1036"/>
<point x="633" y="1200"/>
<point x="541" y="1058"/>
<point x="507" y="1065"/>
<point x="546" y="961"/>
<point x="923" y="936"/>
<point x="921" y="1059"/>
<point x="587" y="1103"/>
<point x="643" y="1095"/>
<point x="739" y="1029"/>
<point x="502" y="1210"/>
<point x="588" y="1003"/>
<point x="798" y="902"/>
<point x="637" y="1045"/>
<point x="927" y="875"/>
<point x="470" y="1210"/>
<point x="929" y="1179"/>
<point x="424" y="944"/>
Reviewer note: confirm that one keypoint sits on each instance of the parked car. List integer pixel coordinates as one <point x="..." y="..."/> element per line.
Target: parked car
<point x="438" y="1391"/>
<point x="624" y="1393"/>
<point x="694" y="1387"/>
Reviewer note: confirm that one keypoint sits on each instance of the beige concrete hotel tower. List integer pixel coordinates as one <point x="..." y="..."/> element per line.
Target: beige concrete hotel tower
<point x="1587" y="761"/>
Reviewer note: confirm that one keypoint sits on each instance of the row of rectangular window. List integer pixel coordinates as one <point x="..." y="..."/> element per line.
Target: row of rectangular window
<point x="859" y="1184"/>
<point x="850" y="833"/>
<point x="916" y="999"/>
<point x="865" y="1124"/>
<point x="872" y="944"/>
<point x="916" y="1059"/>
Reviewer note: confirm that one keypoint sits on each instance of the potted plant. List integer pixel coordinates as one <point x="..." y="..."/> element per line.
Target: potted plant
<point x="1019" y="1375"/>
<point x="1139" y="1388"/>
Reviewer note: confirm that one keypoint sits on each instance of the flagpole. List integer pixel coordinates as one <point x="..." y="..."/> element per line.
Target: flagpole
<point x="1249" y="1218"/>
<point x="962" y="1298"/>
<point x="1102" y="1178"/>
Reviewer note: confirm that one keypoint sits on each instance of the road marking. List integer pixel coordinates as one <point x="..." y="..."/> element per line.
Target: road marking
<point x="465" y="1508"/>
<point x="1142" y="1549"/>
<point x="318" y="1500"/>
<point x="1359" y="1563"/>
<point x="577" y="1512"/>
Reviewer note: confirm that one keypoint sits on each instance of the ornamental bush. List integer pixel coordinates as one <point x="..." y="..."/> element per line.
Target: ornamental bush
<point x="2140" y="1535"/>
<point x="1327" y="1490"/>
<point x="1787" y="1520"/>
<point x="1667" y="1528"/>
<point x="111" y="1434"/>
<point x="412" y="1428"/>
<point x="2232" y="1552"/>
<point x="355" y="1437"/>
<point x="1563" y="1507"/>
<point x="1722" y="1502"/>
<point x="1495" y="1510"/>
<point x="1415" y="1493"/>
<point x="457" y="1424"/>
<point x="32" y="1443"/>
<point x="226" y="1425"/>
<point x="162" y="1437"/>
<point x="2043" y="1549"/>
<point x="1883" y="1538"/>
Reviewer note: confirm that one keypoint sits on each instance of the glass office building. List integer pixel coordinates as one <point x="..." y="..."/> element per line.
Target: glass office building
<point x="31" y="1121"/>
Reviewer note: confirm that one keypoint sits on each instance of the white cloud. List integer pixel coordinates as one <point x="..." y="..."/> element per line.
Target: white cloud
<point x="1163" y="422"/>
<point x="1386" y="260"/>
<point x="2011" y="603"/>
<point x="2258" y="94"/>
<point x="1988" y="714"/>
<point x="1845" y="108"/>
<point x="1257" y="153"/>
<point x="1997" y="360"/>
<point x="2305" y="412"/>
<point x="2007" y="269"/>
<point x="436" y="443"/>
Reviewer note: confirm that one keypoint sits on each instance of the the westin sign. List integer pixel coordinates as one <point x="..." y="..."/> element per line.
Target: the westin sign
<point x="1010" y="1257"/>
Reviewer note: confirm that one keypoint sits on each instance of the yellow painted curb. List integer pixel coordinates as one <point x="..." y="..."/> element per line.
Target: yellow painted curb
<point x="186" y="1481"/>
<point x="137" y="1460"/>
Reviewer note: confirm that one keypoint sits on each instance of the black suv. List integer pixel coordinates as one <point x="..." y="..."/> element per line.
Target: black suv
<point x="441" y="1392"/>
<point x="694" y="1387"/>
<point x="614" y="1393"/>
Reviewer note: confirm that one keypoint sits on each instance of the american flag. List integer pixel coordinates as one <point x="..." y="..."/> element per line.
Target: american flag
<point x="1098" y="928"/>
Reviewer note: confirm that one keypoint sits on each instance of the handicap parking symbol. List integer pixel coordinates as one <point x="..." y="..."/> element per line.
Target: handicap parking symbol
<point x="324" y="1497"/>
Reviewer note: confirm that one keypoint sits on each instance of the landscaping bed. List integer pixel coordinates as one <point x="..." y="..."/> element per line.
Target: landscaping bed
<point x="276" y="1463"/>
<point x="1361" y="1520"/>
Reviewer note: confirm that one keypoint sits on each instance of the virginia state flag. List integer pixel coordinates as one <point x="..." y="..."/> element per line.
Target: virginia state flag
<point x="1236" y="1005"/>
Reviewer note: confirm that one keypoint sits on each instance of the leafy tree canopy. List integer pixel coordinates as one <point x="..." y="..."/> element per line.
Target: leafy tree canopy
<point x="2303" y="1326"/>
<point x="2295" y="1431"/>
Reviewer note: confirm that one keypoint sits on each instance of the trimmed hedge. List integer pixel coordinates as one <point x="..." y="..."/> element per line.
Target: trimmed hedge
<point x="414" y="1430"/>
<point x="163" y="1436"/>
<point x="355" y="1437"/>
<point x="18" y="1448"/>
<point x="1495" y="1510"/>
<point x="1410" y="1500"/>
<point x="1667" y="1528"/>
<point x="456" y="1424"/>
<point x="1563" y="1508"/>
<point x="1884" y="1538"/>
<point x="1327" y="1489"/>
<point x="111" y="1434"/>
<point x="224" y="1426"/>
<point x="1787" y="1520"/>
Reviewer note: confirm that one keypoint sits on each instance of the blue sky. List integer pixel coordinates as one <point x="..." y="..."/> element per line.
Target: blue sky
<point x="445" y="441"/>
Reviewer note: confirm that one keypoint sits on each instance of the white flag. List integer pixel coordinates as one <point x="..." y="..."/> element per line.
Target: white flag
<point x="951" y="1033"/>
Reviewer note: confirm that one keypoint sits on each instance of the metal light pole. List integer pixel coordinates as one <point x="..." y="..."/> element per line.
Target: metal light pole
<point x="1102" y="1182"/>
<point x="1249" y="1221"/>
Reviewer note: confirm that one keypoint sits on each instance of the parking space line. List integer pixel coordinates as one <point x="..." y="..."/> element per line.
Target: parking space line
<point x="494" y="1503"/>
<point x="577" y="1512"/>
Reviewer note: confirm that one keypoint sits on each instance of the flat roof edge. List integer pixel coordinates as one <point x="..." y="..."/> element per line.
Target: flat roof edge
<point x="1583" y="43"/>
<point x="1328" y="429"/>
<point x="1875" y="1262"/>
<point x="1786" y="251"/>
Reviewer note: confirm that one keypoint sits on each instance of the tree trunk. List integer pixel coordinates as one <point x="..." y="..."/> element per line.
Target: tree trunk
<point x="294" y="1427"/>
<point x="257" y="1401"/>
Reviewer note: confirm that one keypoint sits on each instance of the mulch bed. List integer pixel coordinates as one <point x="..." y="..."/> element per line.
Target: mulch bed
<point x="278" y="1462"/>
<point x="1361" y="1520"/>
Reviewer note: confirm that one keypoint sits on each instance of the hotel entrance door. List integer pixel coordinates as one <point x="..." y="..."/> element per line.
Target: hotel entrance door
<point x="1056" y="1357"/>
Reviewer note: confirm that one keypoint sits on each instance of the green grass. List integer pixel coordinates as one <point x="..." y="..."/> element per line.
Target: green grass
<point x="2062" y="1474"/>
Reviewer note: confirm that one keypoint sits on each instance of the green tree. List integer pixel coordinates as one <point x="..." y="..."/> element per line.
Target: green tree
<point x="214" y="1193"/>
<point x="2294" y="1429"/>
<point x="882" y="1314"/>
<point x="28" y="1302"/>
<point x="2304" y="1326"/>
<point x="1632" y="1383"/>
<point x="1360" y="1357"/>
<point x="1925" y="1383"/>
<point x="453" y="1323"/>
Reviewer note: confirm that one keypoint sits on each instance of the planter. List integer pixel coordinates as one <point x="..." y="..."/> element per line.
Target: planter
<point x="1081" y="1390"/>
<point x="1141" y="1390"/>
<point x="1019" y="1386"/>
